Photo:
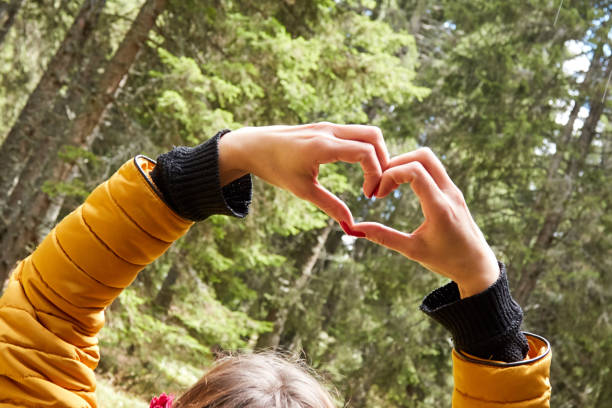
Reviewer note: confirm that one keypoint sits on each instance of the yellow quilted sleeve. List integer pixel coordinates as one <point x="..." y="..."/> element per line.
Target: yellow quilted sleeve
<point x="53" y="306"/>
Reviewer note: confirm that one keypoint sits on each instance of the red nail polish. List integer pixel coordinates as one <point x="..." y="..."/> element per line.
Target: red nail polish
<point x="358" y="234"/>
<point x="375" y="191"/>
<point x="351" y="232"/>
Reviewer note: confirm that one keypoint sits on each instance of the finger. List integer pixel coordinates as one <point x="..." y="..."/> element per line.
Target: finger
<point x="407" y="244"/>
<point x="357" y="152"/>
<point x="328" y="203"/>
<point x="430" y="161"/>
<point x="421" y="182"/>
<point x="362" y="133"/>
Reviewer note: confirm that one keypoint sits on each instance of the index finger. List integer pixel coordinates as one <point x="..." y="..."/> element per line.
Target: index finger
<point x="430" y="161"/>
<point x="328" y="203"/>
<point x="429" y="194"/>
<point x="350" y="151"/>
<point x="363" y="133"/>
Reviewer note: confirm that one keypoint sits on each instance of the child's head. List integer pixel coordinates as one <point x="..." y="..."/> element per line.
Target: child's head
<point x="256" y="381"/>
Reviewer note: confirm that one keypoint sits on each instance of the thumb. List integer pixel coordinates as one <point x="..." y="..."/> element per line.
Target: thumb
<point x="406" y="244"/>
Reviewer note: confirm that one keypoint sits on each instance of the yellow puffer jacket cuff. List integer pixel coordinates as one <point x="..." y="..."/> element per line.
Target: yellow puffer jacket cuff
<point x="484" y="383"/>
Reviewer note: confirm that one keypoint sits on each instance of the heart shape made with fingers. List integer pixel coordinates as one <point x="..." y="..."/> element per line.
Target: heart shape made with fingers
<point x="448" y="241"/>
<point x="427" y="178"/>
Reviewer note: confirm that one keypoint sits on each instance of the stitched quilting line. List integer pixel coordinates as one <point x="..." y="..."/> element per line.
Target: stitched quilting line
<point x="47" y="353"/>
<point x="42" y="312"/>
<point x="466" y="395"/>
<point x="55" y="236"/>
<point x="125" y="213"/>
<point x="26" y="404"/>
<point x="105" y="244"/>
<point x="21" y="404"/>
<point x="74" y="321"/>
<point x="91" y="309"/>
<point x="40" y="376"/>
<point x="19" y="308"/>
<point x="74" y="355"/>
<point x="59" y="244"/>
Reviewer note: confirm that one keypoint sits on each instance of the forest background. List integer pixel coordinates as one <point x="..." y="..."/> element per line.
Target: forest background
<point x="514" y="96"/>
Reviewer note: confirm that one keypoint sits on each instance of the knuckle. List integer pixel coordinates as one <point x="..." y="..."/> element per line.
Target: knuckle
<point x="446" y="213"/>
<point x="367" y="152"/>
<point x="396" y="175"/>
<point x="457" y="194"/>
<point x="401" y="178"/>
<point x="318" y="140"/>
<point x="417" y="168"/>
<point x="378" y="135"/>
<point x="371" y="151"/>
<point x="426" y="151"/>
<point x="324" y="125"/>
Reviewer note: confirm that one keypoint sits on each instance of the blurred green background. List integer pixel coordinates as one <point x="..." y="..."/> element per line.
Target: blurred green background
<point x="512" y="95"/>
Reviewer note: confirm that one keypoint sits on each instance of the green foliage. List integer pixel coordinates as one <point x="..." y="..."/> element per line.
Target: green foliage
<point x="75" y="188"/>
<point x="108" y="396"/>
<point x="188" y="329"/>
<point x="71" y="154"/>
<point x="481" y="82"/>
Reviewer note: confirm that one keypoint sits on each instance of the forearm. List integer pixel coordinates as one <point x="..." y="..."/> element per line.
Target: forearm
<point x="485" y="325"/>
<point x="191" y="181"/>
<point x="54" y="304"/>
<point x="495" y="364"/>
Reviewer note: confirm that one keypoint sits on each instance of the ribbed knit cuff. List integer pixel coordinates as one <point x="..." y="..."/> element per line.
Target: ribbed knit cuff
<point x="188" y="178"/>
<point x="486" y="325"/>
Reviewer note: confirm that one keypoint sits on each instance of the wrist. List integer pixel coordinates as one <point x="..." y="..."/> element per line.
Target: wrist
<point x="484" y="274"/>
<point x="232" y="164"/>
<point x="486" y="325"/>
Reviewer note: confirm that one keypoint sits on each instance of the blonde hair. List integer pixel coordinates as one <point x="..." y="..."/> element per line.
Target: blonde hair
<point x="263" y="380"/>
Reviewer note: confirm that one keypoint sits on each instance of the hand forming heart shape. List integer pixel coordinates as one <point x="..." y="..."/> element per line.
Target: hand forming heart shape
<point x="289" y="157"/>
<point x="448" y="241"/>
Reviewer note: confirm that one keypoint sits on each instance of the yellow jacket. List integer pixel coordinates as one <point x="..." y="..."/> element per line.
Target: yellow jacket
<point x="53" y="306"/>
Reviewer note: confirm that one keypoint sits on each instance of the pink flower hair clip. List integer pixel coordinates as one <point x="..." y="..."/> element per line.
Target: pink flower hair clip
<point x="163" y="401"/>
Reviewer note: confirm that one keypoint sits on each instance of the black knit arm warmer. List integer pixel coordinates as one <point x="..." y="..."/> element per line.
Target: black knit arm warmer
<point x="188" y="179"/>
<point x="486" y="325"/>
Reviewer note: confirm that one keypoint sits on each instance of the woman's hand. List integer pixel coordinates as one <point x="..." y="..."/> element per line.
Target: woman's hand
<point x="289" y="157"/>
<point x="448" y="242"/>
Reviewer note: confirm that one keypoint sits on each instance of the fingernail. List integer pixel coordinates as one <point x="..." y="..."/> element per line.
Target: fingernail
<point x="358" y="234"/>
<point x="375" y="191"/>
<point x="351" y="232"/>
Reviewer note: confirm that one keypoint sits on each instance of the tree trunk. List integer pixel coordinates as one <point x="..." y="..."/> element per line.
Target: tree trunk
<point x="558" y="196"/>
<point x="8" y="12"/>
<point x="28" y="131"/>
<point x="416" y="18"/>
<point x="25" y="208"/>
<point x="163" y="299"/>
<point x="36" y="127"/>
<point x="280" y="315"/>
<point x="84" y="130"/>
